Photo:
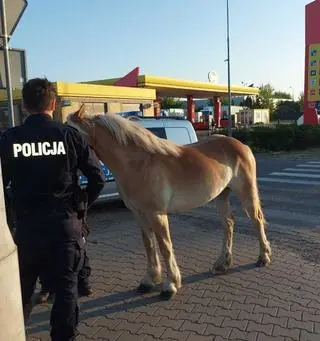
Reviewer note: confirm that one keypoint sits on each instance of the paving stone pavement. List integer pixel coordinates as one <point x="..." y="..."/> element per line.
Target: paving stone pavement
<point x="281" y="302"/>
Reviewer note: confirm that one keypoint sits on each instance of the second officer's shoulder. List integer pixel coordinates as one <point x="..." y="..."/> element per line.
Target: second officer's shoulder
<point x="8" y="137"/>
<point x="10" y="132"/>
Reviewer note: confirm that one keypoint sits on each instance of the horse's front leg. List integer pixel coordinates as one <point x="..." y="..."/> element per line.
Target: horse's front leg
<point x="160" y="226"/>
<point x="153" y="275"/>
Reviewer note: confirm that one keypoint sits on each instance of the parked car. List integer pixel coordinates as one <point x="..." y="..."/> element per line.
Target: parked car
<point x="177" y="130"/>
<point x="127" y="114"/>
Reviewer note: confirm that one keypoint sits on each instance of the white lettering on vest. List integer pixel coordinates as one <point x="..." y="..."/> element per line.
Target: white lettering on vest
<point x="26" y="149"/>
<point x="17" y="148"/>
<point x="60" y="149"/>
<point x="39" y="149"/>
<point x="45" y="145"/>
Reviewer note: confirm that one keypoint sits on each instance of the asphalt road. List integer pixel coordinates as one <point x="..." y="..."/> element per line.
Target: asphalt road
<point x="290" y="193"/>
<point x="290" y="189"/>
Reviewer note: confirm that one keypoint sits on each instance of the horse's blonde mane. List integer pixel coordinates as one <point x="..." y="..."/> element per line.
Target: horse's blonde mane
<point x="126" y="131"/>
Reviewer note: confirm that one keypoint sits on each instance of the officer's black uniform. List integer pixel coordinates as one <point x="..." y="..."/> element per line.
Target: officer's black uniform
<point x="83" y="275"/>
<point x="41" y="159"/>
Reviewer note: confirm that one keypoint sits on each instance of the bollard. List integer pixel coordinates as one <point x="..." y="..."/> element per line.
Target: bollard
<point x="11" y="313"/>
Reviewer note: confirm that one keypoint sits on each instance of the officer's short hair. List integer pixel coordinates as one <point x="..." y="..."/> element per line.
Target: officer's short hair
<point x="37" y="94"/>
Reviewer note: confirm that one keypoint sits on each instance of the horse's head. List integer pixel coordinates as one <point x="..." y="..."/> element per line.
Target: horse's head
<point x="80" y="121"/>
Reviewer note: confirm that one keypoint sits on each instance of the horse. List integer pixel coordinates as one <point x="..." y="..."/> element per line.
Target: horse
<point x="156" y="177"/>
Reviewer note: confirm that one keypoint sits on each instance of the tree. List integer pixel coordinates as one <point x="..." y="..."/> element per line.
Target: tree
<point x="224" y="101"/>
<point x="282" y="95"/>
<point x="265" y="98"/>
<point x="171" y="103"/>
<point x="287" y="110"/>
<point x="248" y="102"/>
<point x="301" y="100"/>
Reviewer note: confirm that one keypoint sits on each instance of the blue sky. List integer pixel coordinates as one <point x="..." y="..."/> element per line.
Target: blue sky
<point x="86" y="40"/>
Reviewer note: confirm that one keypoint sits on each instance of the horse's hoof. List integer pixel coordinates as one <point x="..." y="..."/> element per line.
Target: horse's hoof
<point x="262" y="262"/>
<point x="166" y="295"/>
<point x="43" y="297"/>
<point x="145" y="288"/>
<point x="169" y="290"/>
<point x="221" y="269"/>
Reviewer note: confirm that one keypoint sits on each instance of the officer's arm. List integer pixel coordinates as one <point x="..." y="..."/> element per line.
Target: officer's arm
<point x="90" y="167"/>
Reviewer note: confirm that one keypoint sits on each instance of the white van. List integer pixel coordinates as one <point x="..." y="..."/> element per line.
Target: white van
<point x="178" y="130"/>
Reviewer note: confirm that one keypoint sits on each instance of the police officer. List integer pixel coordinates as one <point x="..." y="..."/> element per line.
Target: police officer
<point x="41" y="158"/>
<point x="84" y="287"/>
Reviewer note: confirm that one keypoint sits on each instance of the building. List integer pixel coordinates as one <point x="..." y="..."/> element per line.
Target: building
<point x="252" y="116"/>
<point x="98" y="99"/>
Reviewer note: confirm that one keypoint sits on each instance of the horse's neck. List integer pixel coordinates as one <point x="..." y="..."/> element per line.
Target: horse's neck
<point x="111" y="154"/>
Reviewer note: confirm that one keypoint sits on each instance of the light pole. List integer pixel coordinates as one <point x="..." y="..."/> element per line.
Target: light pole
<point x="229" y="83"/>
<point x="290" y="87"/>
<point x="7" y="63"/>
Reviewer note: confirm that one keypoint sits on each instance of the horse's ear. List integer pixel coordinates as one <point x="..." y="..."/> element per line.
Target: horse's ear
<point x="80" y="113"/>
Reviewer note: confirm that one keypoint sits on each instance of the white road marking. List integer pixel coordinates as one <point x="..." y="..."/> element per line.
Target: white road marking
<point x="302" y="170"/>
<point x="309" y="166"/>
<point x="298" y="175"/>
<point x="288" y="181"/>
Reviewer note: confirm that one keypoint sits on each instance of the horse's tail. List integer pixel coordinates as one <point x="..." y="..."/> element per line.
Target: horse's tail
<point x="255" y="188"/>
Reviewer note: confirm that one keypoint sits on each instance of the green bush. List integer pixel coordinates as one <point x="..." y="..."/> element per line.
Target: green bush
<point x="278" y="138"/>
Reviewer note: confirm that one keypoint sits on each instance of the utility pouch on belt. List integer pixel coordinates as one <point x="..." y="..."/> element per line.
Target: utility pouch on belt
<point x="82" y="204"/>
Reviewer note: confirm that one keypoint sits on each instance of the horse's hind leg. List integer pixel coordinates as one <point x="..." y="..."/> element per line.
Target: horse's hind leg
<point x="223" y="207"/>
<point x="153" y="276"/>
<point x="249" y="197"/>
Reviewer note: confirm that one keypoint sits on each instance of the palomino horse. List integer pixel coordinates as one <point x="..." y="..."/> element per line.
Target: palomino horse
<point x="156" y="177"/>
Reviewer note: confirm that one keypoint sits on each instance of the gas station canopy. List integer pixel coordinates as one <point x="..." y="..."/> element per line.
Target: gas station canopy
<point x="170" y="87"/>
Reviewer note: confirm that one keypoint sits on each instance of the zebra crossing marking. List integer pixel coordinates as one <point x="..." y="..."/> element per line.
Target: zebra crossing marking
<point x="301" y="174"/>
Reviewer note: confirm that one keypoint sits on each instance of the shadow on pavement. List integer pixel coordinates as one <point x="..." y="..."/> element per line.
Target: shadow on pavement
<point x="124" y="301"/>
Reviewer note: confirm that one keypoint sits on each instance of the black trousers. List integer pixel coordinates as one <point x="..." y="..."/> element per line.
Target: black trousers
<point x="84" y="273"/>
<point x="65" y="259"/>
<point x="83" y="276"/>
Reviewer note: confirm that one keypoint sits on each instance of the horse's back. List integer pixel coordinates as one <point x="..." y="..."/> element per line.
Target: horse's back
<point x="221" y="146"/>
